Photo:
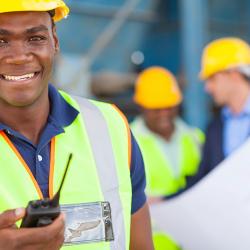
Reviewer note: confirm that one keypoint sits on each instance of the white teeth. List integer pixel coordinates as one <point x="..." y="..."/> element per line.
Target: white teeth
<point x="18" y="78"/>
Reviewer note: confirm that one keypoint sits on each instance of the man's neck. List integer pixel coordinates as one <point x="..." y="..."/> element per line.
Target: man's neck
<point x="28" y="121"/>
<point x="238" y="101"/>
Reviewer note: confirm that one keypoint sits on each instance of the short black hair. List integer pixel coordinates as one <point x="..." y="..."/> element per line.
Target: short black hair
<point x="52" y="14"/>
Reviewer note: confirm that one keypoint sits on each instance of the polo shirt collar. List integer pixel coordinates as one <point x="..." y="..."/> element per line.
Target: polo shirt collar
<point x="57" y="103"/>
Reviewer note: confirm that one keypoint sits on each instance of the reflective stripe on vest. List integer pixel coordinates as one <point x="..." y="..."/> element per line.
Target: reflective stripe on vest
<point x="98" y="171"/>
<point x="97" y="128"/>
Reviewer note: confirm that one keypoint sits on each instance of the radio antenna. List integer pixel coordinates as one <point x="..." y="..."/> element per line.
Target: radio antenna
<point x="55" y="200"/>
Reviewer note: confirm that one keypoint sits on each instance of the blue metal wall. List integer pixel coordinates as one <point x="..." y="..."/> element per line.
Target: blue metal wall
<point x="170" y="33"/>
<point x="90" y="18"/>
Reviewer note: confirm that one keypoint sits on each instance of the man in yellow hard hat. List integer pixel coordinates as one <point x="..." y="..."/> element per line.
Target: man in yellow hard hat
<point x="170" y="148"/>
<point x="226" y="71"/>
<point x="103" y="194"/>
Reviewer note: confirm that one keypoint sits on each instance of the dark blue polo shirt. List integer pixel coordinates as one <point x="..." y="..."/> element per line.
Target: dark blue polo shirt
<point x="37" y="156"/>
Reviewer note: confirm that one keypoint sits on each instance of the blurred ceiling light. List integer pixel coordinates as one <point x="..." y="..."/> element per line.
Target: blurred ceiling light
<point x="137" y="57"/>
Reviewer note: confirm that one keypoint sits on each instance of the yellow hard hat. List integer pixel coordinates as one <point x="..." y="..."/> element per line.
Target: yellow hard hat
<point x="223" y="54"/>
<point x="61" y="9"/>
<point x="156" y="88"/>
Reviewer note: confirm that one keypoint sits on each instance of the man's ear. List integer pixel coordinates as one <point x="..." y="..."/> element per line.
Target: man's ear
<point x="56" y="40"/>
<point x="236" y="76"/>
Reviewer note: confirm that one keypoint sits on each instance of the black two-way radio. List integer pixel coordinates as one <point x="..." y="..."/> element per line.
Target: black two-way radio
<point x="42" y="212"/>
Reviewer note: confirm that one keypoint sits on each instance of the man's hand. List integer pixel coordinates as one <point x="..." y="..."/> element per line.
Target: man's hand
<point x="43" y="238"/>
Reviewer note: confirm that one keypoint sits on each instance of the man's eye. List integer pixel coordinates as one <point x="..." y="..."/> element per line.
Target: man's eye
<point x="37" y="38"/>
<point x="2" y="41"/>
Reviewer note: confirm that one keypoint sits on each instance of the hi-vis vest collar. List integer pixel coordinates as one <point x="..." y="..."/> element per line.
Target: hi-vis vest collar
<point x="99" y="170"/>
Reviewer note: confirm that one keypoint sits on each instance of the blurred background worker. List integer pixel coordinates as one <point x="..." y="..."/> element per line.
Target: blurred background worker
<point x="170" y="148"/>
<point x="226" y="70"/>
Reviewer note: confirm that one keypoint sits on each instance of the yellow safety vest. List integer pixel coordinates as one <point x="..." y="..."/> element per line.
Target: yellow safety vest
<point x="161" y="180"/>
<point x="100" y="142"/>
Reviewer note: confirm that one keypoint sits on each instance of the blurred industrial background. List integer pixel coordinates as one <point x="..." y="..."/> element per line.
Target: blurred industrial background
<point x="112" y="40"/>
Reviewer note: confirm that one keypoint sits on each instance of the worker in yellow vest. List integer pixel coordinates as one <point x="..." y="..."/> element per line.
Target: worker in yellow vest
<point x="103" y="194"/>
<point x="170" y="147"/>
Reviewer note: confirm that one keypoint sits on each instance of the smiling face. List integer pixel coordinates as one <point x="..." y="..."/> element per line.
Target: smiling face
<point x="28" y="44"/>
<point x="161" y="121"/>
